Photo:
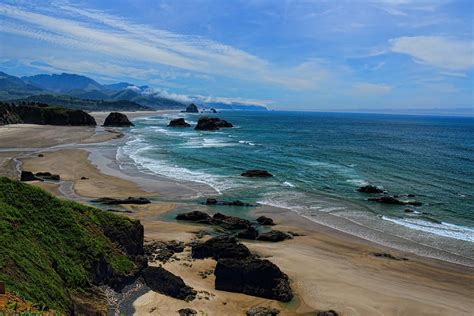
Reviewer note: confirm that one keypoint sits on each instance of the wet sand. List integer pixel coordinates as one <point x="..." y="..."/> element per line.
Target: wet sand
<point x="328" y="269"/>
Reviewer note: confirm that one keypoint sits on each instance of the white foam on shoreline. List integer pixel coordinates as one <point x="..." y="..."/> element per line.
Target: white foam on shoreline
<point x="441" y="229"/>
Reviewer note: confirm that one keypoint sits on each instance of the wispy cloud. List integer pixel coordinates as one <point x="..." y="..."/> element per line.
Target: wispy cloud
<point x="371" y="89"/>
<point x="117" y="37"/>
<point x="437" y="51"/>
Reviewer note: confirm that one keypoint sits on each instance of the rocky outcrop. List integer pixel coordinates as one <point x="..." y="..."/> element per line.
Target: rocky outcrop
<point x="371" y="189"/>
<point x="165" y="282"/>
<point x="253" y="276"/>
<point x="195" y="216"/>
<point x="8" y="114"/>
<point x="48" y="176"/>
<point x="387" y="199"/>
<point x="254" y="173"/>
<point x="250" y="233"/>
<point x="262" y="311"/>
<point x="179" y="122"/>
<point x="129" y="238"/>
<point x="220" y="247"/>
<point x="265" y="221"/>
<point x="116" y="119"/>
<point x="163" y="250"/>
<point x="274" y="236"/>
<point x="42" y="114"/>
<point x="28" y="176"/>
<point x="186" y="312"/>
<point x="229" y="222"/>
<point x="192" y="108"/>
<point x="129" y="200"/>
<point x="212" y="201"/>
<point x="211" y="124"/>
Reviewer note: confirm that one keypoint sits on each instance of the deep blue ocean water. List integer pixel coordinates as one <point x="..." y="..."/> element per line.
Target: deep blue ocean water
<point x="319" y="160"/>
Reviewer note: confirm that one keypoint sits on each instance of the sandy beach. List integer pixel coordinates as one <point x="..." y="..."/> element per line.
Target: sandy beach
<point x="327" y="269"/>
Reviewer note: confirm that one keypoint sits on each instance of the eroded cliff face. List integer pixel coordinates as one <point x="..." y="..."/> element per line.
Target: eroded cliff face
<point x="43" y="114"/>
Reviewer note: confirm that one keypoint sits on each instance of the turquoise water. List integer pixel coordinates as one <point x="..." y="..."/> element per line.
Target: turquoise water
<point x="319" y="160"/>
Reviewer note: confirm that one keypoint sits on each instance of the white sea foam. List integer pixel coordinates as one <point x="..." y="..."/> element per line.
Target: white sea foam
<point x="442" y="229"/>
<point x="246" y="142"/>
<point x="288" y="184"/>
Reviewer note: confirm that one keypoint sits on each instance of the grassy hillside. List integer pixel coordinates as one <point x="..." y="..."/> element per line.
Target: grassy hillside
<point x="52" y="250"/>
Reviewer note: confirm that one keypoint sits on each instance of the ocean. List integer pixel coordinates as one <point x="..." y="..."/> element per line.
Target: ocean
<point x="320" y="159"/>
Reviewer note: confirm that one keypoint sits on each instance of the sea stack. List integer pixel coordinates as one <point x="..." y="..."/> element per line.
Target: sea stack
<point x="192" y="108"/>
<point x="179" y="122"/>
<point x="212" y="124"/>
<point x="117" y="119"/>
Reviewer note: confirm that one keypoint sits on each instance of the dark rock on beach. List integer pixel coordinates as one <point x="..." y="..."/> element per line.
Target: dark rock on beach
<point x="254" y="277"/>
<point x="327" y="313"/>
<point x="250" y="233"/>
<point x="186" y="312"/>
<point x="28" y="176"/>
<point x="262" y="311"/>
<point x="129" y="200"/>
<point x="370" y="189"/>
<point x="195" y="216"/>
<point x="212" y="124"/>
<point x="179" y="122"/>
<point x="163" y="250"/>
<point x="388" y="256"/>
<point x="192" y="108"/>
<point x="48" y="176"/>
<point x="117" y="119"/>
<point x="256" y="174"/>
<point x="265" y="221"/>
<point x="220" y="247"/>
<point x="165" y="282"/>
<point x="274" y="236"/>
<point x="229" y="222"/>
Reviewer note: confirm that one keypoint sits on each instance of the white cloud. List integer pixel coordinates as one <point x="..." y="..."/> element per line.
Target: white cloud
<point x="437" y="51"/>
<point x="370" y="89"/>
<point x="114" y="38"/>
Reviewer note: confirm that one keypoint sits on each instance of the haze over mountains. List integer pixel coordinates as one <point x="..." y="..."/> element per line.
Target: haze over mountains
<point x="77" y="91"/>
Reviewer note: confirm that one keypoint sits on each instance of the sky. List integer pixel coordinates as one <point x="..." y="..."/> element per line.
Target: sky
<point x="285" y="54"/>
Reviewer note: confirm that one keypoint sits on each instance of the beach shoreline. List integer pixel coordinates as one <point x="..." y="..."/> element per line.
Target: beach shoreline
<point x="329" y="269"/>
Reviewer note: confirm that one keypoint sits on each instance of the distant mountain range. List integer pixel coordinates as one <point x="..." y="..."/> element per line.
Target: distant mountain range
<point x="76" y="91"/>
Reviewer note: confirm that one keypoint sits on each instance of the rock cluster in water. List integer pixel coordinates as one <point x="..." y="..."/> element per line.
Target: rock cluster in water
<point x="179" y="122"/>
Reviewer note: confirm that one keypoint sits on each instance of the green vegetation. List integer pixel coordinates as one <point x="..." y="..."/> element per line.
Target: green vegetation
<point x="51" y="248"/>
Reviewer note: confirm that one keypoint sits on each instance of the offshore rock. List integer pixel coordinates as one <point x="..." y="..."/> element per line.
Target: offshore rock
<point x="369" y="189"/>
<point x="117" y="119"/>
<point x="179" y="122"/>
<point x="256" y="174"/>
<point x="211" y="124"/>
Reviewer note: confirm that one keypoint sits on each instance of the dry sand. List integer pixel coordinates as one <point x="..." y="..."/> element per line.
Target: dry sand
<point x="328" y="270"/>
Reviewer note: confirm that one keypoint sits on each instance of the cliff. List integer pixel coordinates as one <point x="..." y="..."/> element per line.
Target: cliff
<point x="55" y="252"/>
<point x="42" y="114"/>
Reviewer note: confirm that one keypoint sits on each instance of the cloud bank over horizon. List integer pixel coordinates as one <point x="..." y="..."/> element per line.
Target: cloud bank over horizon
<point x="300" y="55"/>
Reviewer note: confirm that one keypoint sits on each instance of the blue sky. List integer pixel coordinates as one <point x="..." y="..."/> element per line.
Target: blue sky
<point x="300" y="55"/>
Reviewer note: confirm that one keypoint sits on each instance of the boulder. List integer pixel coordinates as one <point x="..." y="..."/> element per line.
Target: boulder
<point x="48" y="176"/>
<point x="129" y="200"/>
<point x="249" y="233"/>
<point x="179" y="122"/>
<point x="229" y="222"/>
<point x="252" y="276"/>
<point x="265" y="221"/>
<point x="327" y="313"/>
<point x="220" y="247"/>
<point x="256" y="174"/>
<point x="187" y="312"/>
<point x="370" y="189"/>
<point x="211" y="124"/>
<point x="165" y="282"/>
<point x="274" y="236"/>
<point x="117" y="119"/>
<point x="213" y="110"/>
<point x="28" y="176"/>
<point x="195" y="216"/>
<point x="192" y="108"/>
<point x="163" y="250"/>
<point x="262" y="311"/>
